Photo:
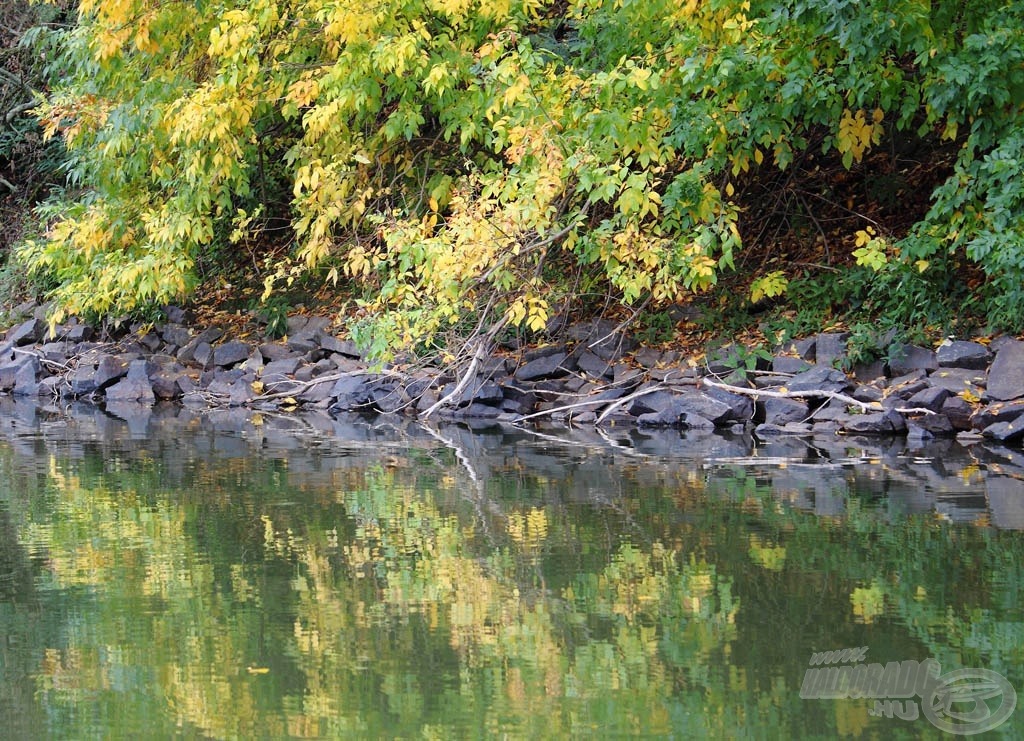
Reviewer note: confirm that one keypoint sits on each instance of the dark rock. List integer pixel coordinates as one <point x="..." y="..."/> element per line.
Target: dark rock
<point x="174" y="334"/>
<point x="1006" y="432"/>
<point x="833" y="410"/>
<point x="770" y="381"/>
<point x="741" y="408"/>
<point x="389" y="399"/>
<point x="165" y="383"/>
<point x="647" y="357"/>
<point x="276" y="351"/>
<point x="904" y="359"/>
<point x="958" y="412"/>
<point x="131" y="389"/>
<point x="50" y="386"/>
<point x="918" y="435"/>
<point x="140" y="370"/>
<point x="805" y="348"/>
<point x="78" y="333"/>
<point x="819" y="378"/>
<point x="652" y="403"/>
<point x="547" y="366"/>
<point x="779" y="412"/>
<point x="88" y="378"/>
<point x="579" y="384"/>
<point x="961" y="354"/>
<point x="331" y="344"/>
<point x="875" y="423"/>
<point x="1000" y="411"/>
<point x="473" y="411"/>
<point x="905" y="386"/>
<point x="769" y="429"/>
<point x="518" y="399"/>
<point x="231" y="353"/>
<point x="958" y="380"/>
<point x="253" y="363"/>
<point x="673" y="374"/>
<point x="868" y="372"/>
<point x="543" y="351"/>
<point x="789" y="364"/>
<point x="627" y="375"/>
<point x="202" y="355"/>
<point x="929" y="398"/>
<point x="29" y="331"/>
<point x="702" y="405"/>
<point x="178" y="315"/>
<point x="589" y="363"/>
<point x="8" y="375"/>
<point x="54" y="351"/>
<point x="7" y="353"/>
<point x="316" y="393"/>
<point x="150" y="341"/>
<point x="867" y="393"/>
<point x="601" y="338"/>
<point x="278" y="370"/>
<point x="830" y="347"/>
<point x="481" y="392"/>
<point x="26" y="379"/>
<point x="688" y="421"/>
<point x="1006" y="376"/>
<point x="187" y="353"/>
<point x="303" y="343"/>
<point x="937" y="425"/>
<point x="351" y="393"/>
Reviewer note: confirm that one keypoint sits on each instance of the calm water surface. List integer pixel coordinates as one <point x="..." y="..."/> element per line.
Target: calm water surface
<point x="225" y="575"/>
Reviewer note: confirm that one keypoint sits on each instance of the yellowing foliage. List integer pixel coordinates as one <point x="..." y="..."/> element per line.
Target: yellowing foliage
<point x="455" y="160"/>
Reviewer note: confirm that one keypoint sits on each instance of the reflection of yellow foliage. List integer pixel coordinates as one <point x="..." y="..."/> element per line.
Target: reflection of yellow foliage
<point x="868" y="603"/>
<point x="529" y="530"/>
<point x="770" y="557"/>
<point x="851" y="719"/>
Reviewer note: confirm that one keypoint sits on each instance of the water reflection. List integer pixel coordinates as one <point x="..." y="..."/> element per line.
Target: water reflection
<point x="224" y="574"/>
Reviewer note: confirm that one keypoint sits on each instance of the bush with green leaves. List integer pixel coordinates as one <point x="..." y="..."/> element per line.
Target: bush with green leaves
<point x="452" y="158"/>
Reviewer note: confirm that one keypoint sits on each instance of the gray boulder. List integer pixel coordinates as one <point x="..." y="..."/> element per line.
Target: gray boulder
<point x="962" y="354"/>
<point x="1006" y="376"/>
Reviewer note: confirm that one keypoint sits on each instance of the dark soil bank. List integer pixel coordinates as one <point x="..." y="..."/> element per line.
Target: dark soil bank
<point x="591" y="375"/>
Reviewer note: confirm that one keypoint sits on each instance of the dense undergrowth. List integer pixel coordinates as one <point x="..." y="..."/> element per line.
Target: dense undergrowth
<point x="456" y="170"/>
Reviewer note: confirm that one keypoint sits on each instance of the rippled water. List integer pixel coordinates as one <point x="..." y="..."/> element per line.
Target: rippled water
<point x="227" y="575"/>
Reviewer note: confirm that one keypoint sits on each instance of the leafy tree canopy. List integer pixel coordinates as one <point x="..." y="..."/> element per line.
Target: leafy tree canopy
<point x="484" y="160"/>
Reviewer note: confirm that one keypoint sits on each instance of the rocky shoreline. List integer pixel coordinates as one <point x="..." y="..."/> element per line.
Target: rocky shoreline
<point x="592" y="374"/>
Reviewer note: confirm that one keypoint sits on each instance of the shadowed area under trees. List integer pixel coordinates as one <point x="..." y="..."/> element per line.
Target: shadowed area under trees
<point x="459" y="169"/>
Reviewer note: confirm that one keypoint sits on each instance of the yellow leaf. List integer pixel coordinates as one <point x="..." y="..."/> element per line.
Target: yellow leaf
<point x="257" y="387"/>
<point x="922" y="265"/>
<point x="257" y="670"/>
<point x="969" y="396"/>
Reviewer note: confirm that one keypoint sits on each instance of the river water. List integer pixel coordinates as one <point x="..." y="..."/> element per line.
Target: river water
<point x="198" y="574"/>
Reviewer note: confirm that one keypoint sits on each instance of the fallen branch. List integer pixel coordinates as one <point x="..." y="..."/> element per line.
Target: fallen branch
<point x="873" y="406"/>
<point x="483" y="344"/>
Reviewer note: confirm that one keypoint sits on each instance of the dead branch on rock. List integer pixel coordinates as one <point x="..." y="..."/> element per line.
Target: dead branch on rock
<point x="483" y="347"/>
<point x="872" y="406"/>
